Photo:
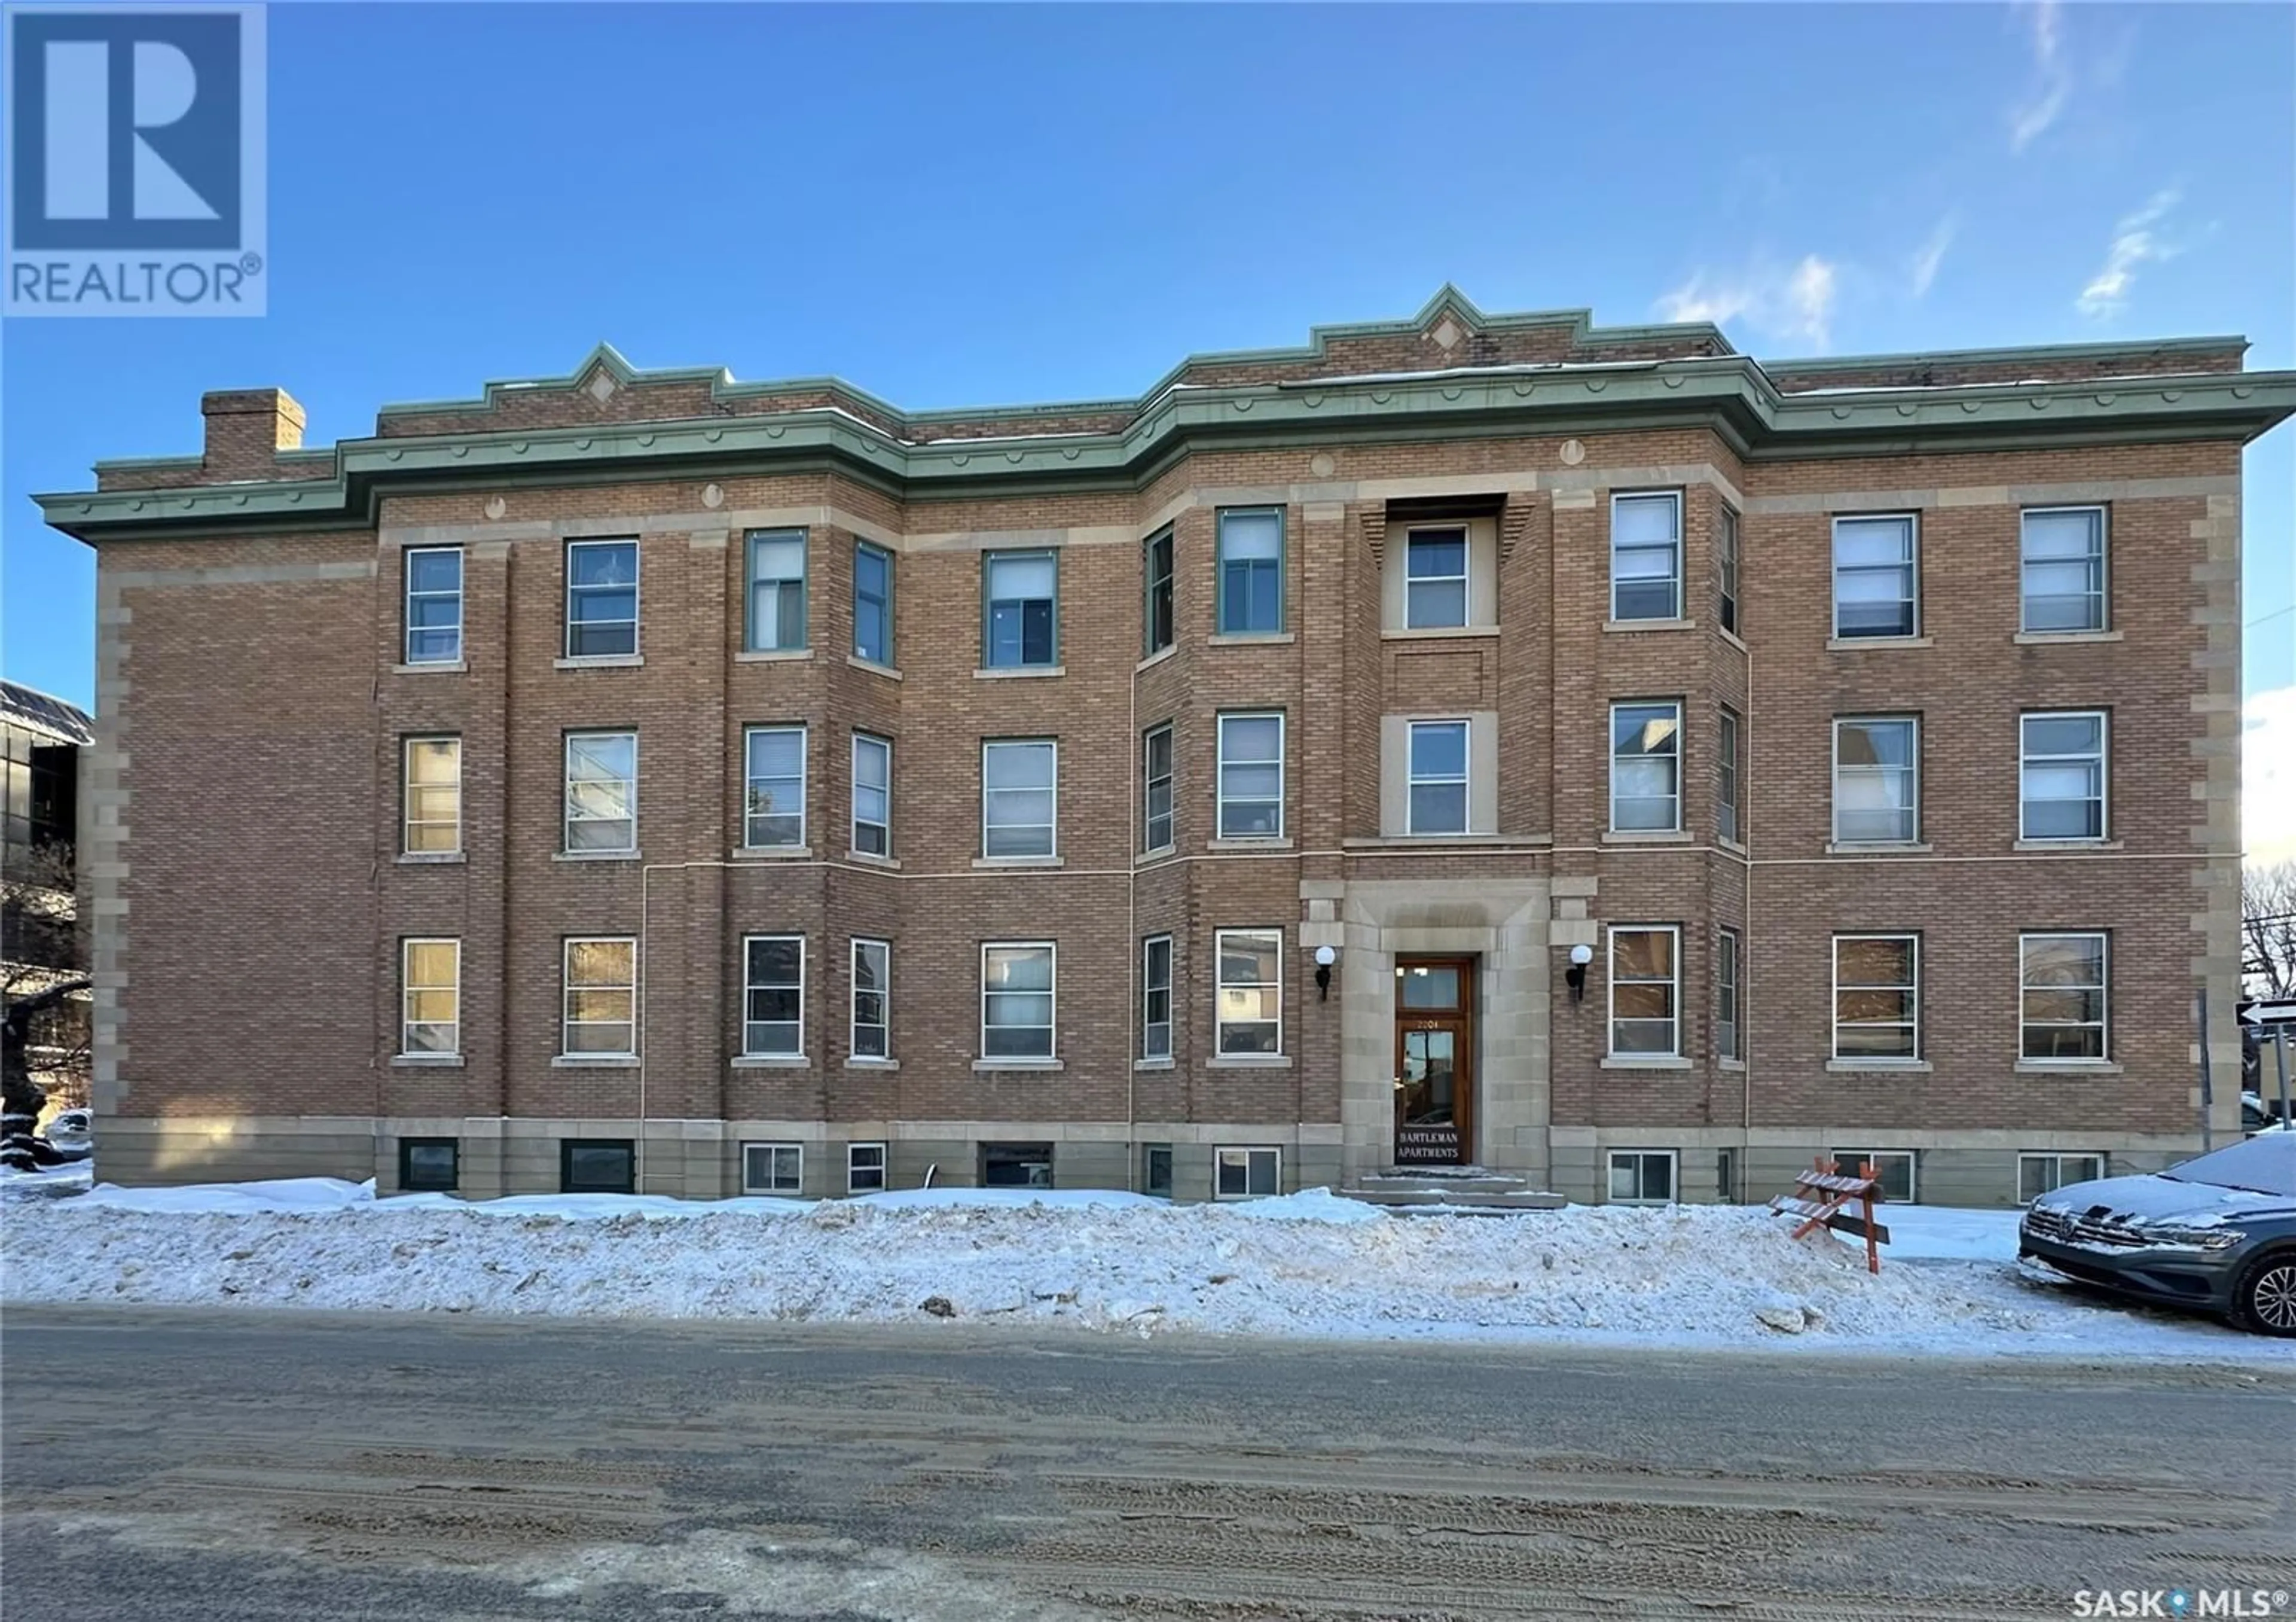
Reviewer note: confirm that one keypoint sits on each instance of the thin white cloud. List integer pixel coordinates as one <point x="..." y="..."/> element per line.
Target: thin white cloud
<point x="1792" y="302"/>
<point x="2268" y="776"/>
<point x="1931" y="254"/>
<point x="2137" y="242"/>
<point x="2052" y="86"/>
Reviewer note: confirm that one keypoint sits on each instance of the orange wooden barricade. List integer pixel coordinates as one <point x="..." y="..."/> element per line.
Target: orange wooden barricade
<point x="1822" y="1199"/>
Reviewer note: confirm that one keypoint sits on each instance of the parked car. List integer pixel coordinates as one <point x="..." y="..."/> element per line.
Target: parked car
<point x="2216" y="1233"/>
<point x="72" y="1133"/>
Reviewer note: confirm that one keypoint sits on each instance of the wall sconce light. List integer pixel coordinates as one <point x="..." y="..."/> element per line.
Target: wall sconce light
<point x="1325" y="957"/>
<point x="1575" y="977"/>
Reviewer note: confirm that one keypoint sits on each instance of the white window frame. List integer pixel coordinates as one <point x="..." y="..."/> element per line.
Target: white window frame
<point x="1675" y="706"/>
<point x="571" y="818"/>
<point x="408" y="989"/>
<point x="2103" y="1023"/>
<point x="2103" y="757"/>
<point x="773" y="1185"/>
<point x="863" y="742"/>
<point x="409" y="595"/>
<point x="2101" y="561"/>
<point x="1673" y="982"/>
<point x="1245" y="1155"/>
<point x="1880" y="1159"/>
<point x="1729" y="786"/>
<point x="1911" y="990"/>
<point x="409" y="822"/>
<point x="1220" y="1021"/>
<point x="1283" y="785"/>
<point x="988" y="600"/>
<point x="750" y="986"/>
<point x="1913" y="777"/>
<point x="1465" y="577"/>
<point x="1672" y="498"/>
<point x="1051" y="996"/>
<point x="752" y="542"/>
<point x="2055" y="1160"/>
<point x="1167" y="541"/>
<point x="854" y="1170"/>
<point x="1641" y="1157"/>
<point x="1220" y="598"/>
<point x="1149" y="990"/>
<point x="1150" y="781"/>
<point x="1412" y="778"/>
<point x="750" y="816"/>
<point x="1051" y="852"/>
<point x="567" y="989"/>
<point x="1730" y="976"/>
<point x="637" y="599"/>
<point x="855" y="1024"/>
<point x="1911" y="565"/>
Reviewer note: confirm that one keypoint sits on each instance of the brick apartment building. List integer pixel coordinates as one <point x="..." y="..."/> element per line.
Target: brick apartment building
<point x="1585" y="753"/>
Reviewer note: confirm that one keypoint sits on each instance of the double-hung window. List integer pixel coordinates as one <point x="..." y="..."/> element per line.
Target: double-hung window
<point x="1876" y="781"/>
<point x="865" y="1168"/>
<point x="1016" y="1000"/>
<point x="1435" y="579"/>
<point x="1156" y="777"/>
<point x="2061" y="558"/>
<point x="1875" y="576"/>
<point x="773" y="812"/>
<point x="2061" y="1012"/>
<point x="1646" y="768"/>
<point x="433" y="797"/>
<point x="1644" y="991"/>
<point x="872" y="794"/>
<point x="602" y="599"/>
<point x="1438" y="787"/>
<point x="773" y="996"/>
<point x="1250" y="787"/>
<point x="1877" y="997"/>
<point x="2062" y="774"/>
<point x="1019" y="791"/>
<point x="434" y="605"/>
<point x="1020" y="625"/>
<point x="1157" y="608"/>
<point x="431" y="998"/>
<point x="602" y="792"/>
<point x="1249" y="1008"/>
<point x="1250" y="586"/>
<point x="1156" y="997"/>
<point x="872" y="993"/>
<point x="1725" y="567"/>
<point x="1728" y="770"/>
<point x="776" y="590"/>
<point x="873" y="603"/>
<point x="1646" y="555"/>
<point x="601" y="984"/>
<point x="1729" y="1003"/>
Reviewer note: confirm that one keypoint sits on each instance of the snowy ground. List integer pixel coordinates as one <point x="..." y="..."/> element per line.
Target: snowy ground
<point x="1310" y="1264"/>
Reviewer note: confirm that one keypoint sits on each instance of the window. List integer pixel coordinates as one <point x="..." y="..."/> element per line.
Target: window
<point x="773" y="1168"/>
<point x="1156" y="1169"/>
<point x="1252" y="777"/>
<point x="1641" y="1176"/>
<point x="1156" y="805"/>
<point x="872" y="796"/>
<point x="434" y="605"/>
<point x="773" y="995"/>
<point x="1726" y="790"/>
<point x="597" y="1165"/>
<point x="1645" y="767"/>
<point x="1158" y="612"/>
<point x="600" y="1014"/>
<point x="864" y="1167"/>
<point x="1876" y="781"/>
<point x="1646" y="557"/>
<point x="1728" y="1010"/>
<point x="1156" y="997"/>
<point x="1726" y="1176"/>
<point x="873" y="603"/>
<point x="776" y="590"/>
<point x="1247" y="1173"/>
<point x="1725" y="566"/>
<point x="433" y="797"/>
<point x="2062" y="551"/>
<point x="1893" y="1169"/>
<point x="1023" y="593"/>
<point x="2039" y="1175"/>
<point x="1016" y="1165"/>
<point x="1439" y="778"/>
<point x="1019" y="786"/>
<point x="1877" y="996"/>
<point x="1251" y="569"/>
<point x="1643" y="1024"/>
<point x="2062" y="997"/>
<point x="602" y="792"/>
<point x="1016" y="1002"/>
<point x="2061" y="776"/>
<point x="1874" y="577"/>
<point x="430" y="1165"/>
<point x="1435" y="579"/>
<point x="602" y="599"/>
<point x="872" y="990"/>
<point x="1250" y="1005"/>
<point x="774" y="798"/>
<point x="431" y="997"/>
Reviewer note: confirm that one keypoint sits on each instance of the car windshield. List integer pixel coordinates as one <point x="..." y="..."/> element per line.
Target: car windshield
<point x="2262" y="1165"/>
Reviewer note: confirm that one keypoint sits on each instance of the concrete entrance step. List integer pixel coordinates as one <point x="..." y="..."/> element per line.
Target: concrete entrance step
<point x="1466" y="1188"/>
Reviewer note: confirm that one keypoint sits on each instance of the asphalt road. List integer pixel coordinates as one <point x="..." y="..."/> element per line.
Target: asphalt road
<point x="253" y="1466"/>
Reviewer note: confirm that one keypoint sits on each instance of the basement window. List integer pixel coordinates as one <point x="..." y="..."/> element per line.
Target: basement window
<point x="428" y="1165"/>
<point x="1247" y="1173"/>
<point x="1016" y="1165"/>
<point x="597" y="1165"/>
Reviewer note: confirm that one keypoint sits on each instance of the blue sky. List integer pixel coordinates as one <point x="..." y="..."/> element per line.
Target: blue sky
<point x="960" y="205"/>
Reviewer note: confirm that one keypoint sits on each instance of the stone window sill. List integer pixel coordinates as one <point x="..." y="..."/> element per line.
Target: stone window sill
<point x="1735" y="640"/>
<point x="1008" y="672"/>
<point x="596" y="856"/>
<point x="1149" y="859"/>
<point x="1734" y="846"/>
<point x="2067" y="1066"/>
<point x="1434" y="633"/>
<point x="1624" y="625"/>
<point x="772" y="1061"/>
<point x="430" y="859"/>
<point x="2071" y="845"/>
<point x="1647" y="835"/>
<point x="440" y="667"/>
<point x="1876" y="847"/>
<point x="600" y="661"/>
<point x="1731" y="1064"/>
<point x="2042" y="638"/>
<point x="1250" y="639"/>
<point x="1019" y="1064"/>
<point x="773" y="655"/>
<point x="1641" y="1061"/>
<point x="1151" y="1064"/>
<point x="1019" y="861"/>
<point x="427" y="1061"/>
<point x="852" y="1063"/>
<point x="1249" y="1061"/>
<point x="771" y="852"/>
<point x="870" y="859"/>
<point x="595" y="1061"/>
<point x="1247" y="844"/>
<point x="872" y="667"/>
<point x="1157" y="657"/>
<point x="1877" y="1067"/>
<point x="1842" y="643"/>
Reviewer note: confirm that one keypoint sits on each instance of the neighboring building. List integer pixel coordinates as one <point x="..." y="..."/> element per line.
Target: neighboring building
<point x="41" y="737"/>
<point x="645" y="776"/>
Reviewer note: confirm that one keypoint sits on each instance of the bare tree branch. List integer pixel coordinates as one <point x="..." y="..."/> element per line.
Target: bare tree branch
<point x="2267" y="930"/>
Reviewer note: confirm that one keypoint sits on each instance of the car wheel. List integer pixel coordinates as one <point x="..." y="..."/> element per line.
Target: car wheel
<point x="2265" y="1298"/>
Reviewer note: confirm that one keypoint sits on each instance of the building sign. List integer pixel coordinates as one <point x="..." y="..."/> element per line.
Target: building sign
<point x="1426" y="1145"/>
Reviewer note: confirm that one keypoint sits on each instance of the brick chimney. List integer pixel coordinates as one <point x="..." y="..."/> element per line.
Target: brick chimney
<point x="246" y="429"/>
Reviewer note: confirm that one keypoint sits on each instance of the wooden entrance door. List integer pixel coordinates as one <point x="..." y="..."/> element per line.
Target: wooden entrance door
<point x="1434" y="1061"/>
